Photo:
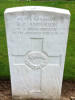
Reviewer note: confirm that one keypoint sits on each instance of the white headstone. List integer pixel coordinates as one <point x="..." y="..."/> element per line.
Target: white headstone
<point x="37" y="41"/>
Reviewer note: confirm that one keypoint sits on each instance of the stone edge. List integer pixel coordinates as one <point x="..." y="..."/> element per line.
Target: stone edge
<point x="37" y="8"/>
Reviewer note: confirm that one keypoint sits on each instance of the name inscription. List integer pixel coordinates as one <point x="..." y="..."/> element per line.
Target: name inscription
<point x="36" y="24"/>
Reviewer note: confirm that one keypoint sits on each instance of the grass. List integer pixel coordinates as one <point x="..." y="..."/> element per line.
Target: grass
<point x="69" y="72"/>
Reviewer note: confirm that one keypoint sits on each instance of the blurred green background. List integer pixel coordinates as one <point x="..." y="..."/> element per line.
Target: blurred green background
<point x="69" y="72"/>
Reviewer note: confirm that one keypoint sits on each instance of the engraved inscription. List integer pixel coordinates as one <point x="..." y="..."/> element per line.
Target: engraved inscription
<point x="36" y="59"/>
<point x="36" y="24"/>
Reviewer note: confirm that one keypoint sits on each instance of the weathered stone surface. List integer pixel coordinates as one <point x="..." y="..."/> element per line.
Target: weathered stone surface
<point x="37" y="40"/>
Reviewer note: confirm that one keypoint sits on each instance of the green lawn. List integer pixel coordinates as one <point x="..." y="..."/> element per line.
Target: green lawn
<point x="69" y="72"/>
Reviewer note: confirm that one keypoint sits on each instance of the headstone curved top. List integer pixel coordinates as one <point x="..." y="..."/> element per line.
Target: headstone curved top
<point x="37" y="41"/>
<point x="37" y="8"/>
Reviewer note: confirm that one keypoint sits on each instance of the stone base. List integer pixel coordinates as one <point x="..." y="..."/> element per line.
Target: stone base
<point x="27" y="98"/>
